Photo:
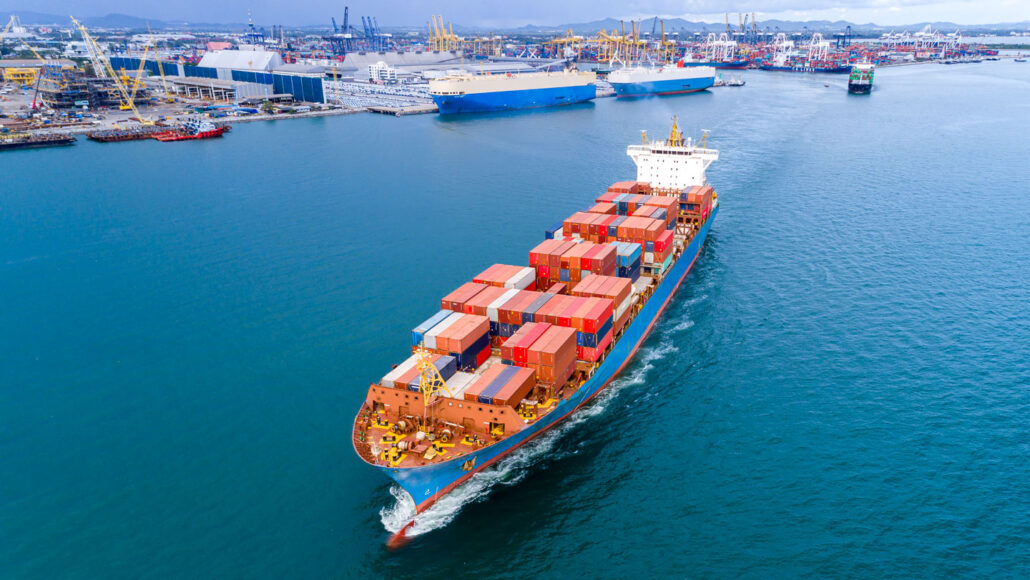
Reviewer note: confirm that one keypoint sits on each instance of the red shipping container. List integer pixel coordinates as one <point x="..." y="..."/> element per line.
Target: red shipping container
<point x="625" y="187"/>
<point x="607" y="197"/>
<point x="489" y="275"/>
<point x="558" y="288"/>
<point x="604" y="208"/>
<point x="664" y="241"/>
<point x="573" y="259"/>
<point x="520" y="350"/>
<point x="456" y="300"/>
<point x="538" y="255"/>
<point x="555" y="343"/>
<point x="593" y="354"/>
<point x="598" y="314"/>
<point x="516" y="388"/>
<point x="479" y="303"/>
<point x="565" y="316"/>
<point x="554" y="259"/>
<point x="645" y="211"/>
<point x="511" y="312"/>
<point x="543" y="272"/>
<point x="549" y="311"/>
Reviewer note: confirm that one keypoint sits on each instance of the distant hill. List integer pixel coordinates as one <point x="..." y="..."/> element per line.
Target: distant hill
<point x="672" y="25"/>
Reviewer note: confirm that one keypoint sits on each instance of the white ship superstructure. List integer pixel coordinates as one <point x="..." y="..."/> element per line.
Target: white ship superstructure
<point x="675" y="163"/>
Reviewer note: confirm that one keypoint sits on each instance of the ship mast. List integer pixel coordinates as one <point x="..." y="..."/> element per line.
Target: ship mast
<point x="430" y="382"/>
<point x="675" y="136"/>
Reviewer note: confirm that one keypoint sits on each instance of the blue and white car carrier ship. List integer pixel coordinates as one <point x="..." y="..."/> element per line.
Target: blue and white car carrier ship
<point x="468" y="93"/>
<point x="430" y="428"/>
<point x="639" y="81"/>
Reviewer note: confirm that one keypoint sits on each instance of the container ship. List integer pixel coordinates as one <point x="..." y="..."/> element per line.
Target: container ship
<point x="807" y="66"/>
<point x="514" y="351"/>
<point x="193" y="129"/>
<point x="34" y="141"/>
<point x="467" y="93"/>
<point x="861" y="80"/>
<point x="666" y="80"/>
<point x="734" y="64"/>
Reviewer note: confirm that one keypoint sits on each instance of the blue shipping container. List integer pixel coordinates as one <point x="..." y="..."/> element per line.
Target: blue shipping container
<point x="419" y="332"/>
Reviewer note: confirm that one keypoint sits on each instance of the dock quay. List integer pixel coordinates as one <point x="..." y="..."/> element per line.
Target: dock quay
<point x="400" y="111"/>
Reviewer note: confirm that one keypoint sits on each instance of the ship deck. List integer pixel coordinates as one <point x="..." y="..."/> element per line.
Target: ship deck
<point x="381" y="441"/>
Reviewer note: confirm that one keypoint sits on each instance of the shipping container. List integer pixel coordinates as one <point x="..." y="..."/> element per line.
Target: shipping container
<point x="480" y="302"/>
<point x="456" y="300"/>
<point x="418" y="333"/>
<point x="430" y="336"/>
<point x="393" y="375"/>
<point x="516" y="388"/>
<point x="589" y="354"/>
<point x="552" y="347"/>
<point x="493" y="308"/>
<point x="529" y="312"/>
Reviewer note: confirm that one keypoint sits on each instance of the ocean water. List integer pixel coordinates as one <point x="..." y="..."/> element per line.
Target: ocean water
<point x="841" y="388"/>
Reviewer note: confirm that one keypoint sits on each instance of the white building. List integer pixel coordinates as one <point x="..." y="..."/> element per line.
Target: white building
<point x="252" y="60"/>
<point x="380" y="72"/>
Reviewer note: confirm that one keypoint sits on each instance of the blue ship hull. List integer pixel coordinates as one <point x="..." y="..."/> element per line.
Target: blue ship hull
<point x="665" y="87"/>
<point x="512" y="100"/>
<point x="429" y="483"/>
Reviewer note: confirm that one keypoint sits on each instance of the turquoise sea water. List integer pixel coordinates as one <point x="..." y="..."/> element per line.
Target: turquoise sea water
<point x="841" y="388"/>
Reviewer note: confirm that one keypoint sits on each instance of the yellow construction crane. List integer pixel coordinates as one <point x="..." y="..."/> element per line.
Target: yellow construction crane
<point x="138" y="80"/>
<point x="161" y="69"/>
<point x="570" y="40"/>
<point x="102" y="68"/>
<point x="441" y="37"/>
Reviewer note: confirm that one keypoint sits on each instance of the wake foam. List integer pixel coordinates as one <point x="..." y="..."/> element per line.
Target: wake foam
<point x="514" y="467"/>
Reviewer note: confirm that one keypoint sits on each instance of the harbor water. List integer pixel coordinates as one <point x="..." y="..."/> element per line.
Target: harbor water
<point x="841" y="387"/>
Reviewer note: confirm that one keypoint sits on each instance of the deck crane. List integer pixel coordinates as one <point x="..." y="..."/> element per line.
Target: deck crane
<point x="103" y="69"/>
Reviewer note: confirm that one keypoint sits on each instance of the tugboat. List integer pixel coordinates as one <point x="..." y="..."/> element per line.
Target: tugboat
<point x="861" y="80"/>
<point x="30" y="141"/>
<point x="193" y="129"/>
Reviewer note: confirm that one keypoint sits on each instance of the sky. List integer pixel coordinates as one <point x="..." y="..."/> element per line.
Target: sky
<point x="516" y="13"/>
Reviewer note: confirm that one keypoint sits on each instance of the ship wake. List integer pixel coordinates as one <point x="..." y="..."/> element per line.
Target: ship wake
<point x="513" y="468"/>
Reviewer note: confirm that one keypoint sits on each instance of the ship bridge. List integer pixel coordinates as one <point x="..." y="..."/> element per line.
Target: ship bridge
<point x="675" y="163"/>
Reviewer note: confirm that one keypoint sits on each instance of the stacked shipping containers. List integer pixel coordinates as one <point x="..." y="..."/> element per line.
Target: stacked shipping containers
<point x="618" y="290"/>
<point x="501" y="384"/>
<point x="547" y="349"/>
<point x="696" y="202"/>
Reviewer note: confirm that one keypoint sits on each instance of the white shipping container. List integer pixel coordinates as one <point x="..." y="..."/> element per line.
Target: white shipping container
<point x="621" y="309"/>
<point x="408" y="364"/>
<point x="524" y="279"/>
<point x="430" y="337"/>
<point x="491" y="310"/>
